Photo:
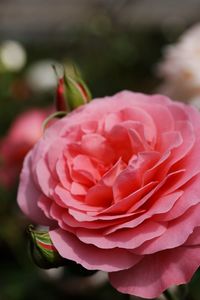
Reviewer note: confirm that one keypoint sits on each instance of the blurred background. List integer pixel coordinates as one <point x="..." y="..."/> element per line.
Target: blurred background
<point x="142" y="45"/>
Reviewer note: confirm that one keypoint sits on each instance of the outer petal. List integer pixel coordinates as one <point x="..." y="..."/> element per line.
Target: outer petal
<point x="177" y="233"/>
<point x="91" y="257"/>
<point x="155" y="273"/>
<point x="28" y="195"/>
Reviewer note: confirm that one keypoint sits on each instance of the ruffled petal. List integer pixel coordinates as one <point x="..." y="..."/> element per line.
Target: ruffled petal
<point x="28" y="195"/>
<point x="90" y="256"/>
<point x="155" y="273"/>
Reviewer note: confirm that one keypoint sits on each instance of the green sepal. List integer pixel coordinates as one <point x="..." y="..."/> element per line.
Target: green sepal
<point x="76" y="91"/>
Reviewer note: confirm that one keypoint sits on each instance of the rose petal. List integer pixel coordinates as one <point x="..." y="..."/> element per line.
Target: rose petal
<point x="45" y="179"/>
<point x="189" y="198"/>
<point x="96" y="146"/>
<point x="176" y="234"/>
<point x="70" y="201"/>
<point x="28" y="195"/>
<point x="157" y="112"/>
<point x="141" y="115"/>
<point x="63" y="173"/>
<point x="99" y="194"/>
<point x="128" y="239"/>
<point x="155" y="273"/>
<point x="90" y="256"/>
<point x="83" y="165"/>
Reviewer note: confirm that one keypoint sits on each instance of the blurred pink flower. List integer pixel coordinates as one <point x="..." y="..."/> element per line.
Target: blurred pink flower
<point x="118" y="183"/>
<point x="180" y="67"/>
<point x="22" y="135"/>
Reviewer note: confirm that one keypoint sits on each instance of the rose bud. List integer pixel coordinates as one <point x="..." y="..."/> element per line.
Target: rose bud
<point x="71" y="92"/>
<point x="42" y="250"/>
<point x="77" y="92"/>
<point x="45" y="255"/>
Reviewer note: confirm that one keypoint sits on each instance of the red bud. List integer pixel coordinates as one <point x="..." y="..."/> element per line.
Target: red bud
<point x="61" y="104"/>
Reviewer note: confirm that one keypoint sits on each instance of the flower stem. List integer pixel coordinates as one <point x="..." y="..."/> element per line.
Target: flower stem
<point x="169" y="295"/>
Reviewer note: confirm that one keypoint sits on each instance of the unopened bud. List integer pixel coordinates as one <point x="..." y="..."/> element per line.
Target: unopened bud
<point x="45" y="255"/>
<point x="71" y="92"/>
<point x="77" y="92"/>
<point x="43" y="251"/>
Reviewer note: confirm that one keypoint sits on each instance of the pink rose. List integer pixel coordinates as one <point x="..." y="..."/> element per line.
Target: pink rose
<point x="118" y="182"/>
<point x="23" y="134"/>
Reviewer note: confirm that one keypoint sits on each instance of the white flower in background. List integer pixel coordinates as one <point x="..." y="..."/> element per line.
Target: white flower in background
<point x="41" y="76"/>
<point x="12" y="55"/>
<point x="180" y="68"/>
